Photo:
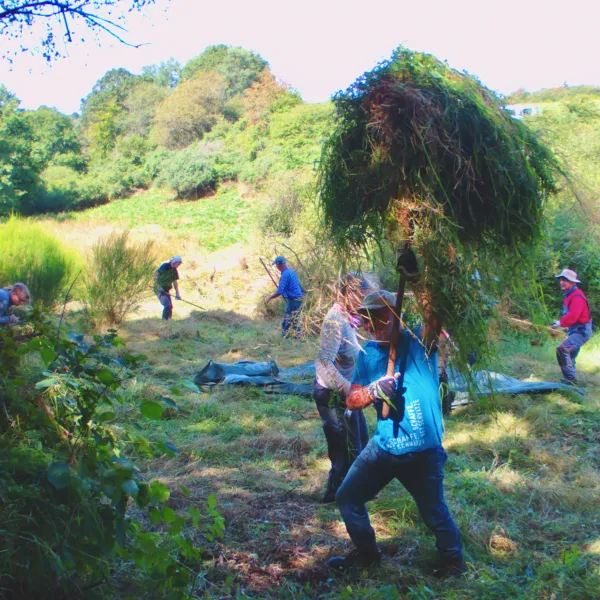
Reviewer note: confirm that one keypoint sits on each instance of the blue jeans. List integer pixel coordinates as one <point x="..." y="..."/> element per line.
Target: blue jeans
<point x="290" y="327"/>
<point x="346" y="435"/>
<point x="165" y="300"/>
<point x="421" y="473"/>
<point x="566" y="353"/>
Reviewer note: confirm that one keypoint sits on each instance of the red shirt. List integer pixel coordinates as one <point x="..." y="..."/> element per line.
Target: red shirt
<point x="577" y="311"/>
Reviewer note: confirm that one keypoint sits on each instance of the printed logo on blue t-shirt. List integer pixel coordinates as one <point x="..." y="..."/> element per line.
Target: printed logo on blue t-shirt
<point x="415" y="422"/>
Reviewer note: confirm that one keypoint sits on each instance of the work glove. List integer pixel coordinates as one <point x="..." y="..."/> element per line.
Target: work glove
<point x="555" y="325"/>
<point x="177" y="297"/>
<point x="383" y="388"/>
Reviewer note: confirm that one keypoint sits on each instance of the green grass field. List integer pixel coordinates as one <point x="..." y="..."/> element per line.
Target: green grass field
<point x="211" y="223"/>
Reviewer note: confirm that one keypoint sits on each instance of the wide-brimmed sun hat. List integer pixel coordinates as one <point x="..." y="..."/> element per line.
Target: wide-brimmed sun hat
<point x="569" y="275"/>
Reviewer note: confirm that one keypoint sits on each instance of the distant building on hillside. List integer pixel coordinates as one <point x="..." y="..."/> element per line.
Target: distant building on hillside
<point x="518" y="111"/>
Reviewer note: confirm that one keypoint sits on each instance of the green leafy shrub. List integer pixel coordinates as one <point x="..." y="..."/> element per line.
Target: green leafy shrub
<point x="66" y="484"/>
<point x="190" y="172"/>
<point x="62" y="189"/>
<point x="288" y="195"/>
<point x="37" y="258"/>
<point x="118" y="276"/>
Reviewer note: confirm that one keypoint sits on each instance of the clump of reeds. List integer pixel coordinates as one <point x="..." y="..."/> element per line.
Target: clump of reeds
<point x="426" y="153"/>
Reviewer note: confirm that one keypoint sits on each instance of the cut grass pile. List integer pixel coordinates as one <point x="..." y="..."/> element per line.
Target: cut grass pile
<point x="522" y="483"/>
<point x="425" y="154"/>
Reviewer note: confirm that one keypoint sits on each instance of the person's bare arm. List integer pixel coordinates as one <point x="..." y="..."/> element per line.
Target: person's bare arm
<point x="273" y="296"/>
<point x="358" y="397"/>
<point x="381" y="389"/>
<point x="176" y="286"/>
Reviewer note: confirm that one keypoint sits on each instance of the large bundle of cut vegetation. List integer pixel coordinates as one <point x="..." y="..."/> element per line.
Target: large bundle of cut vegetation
<point x="424" y="153"/>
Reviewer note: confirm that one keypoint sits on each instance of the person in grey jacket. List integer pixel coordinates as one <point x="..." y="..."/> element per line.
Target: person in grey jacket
<point x="15" y="295"/>
<point x="345" y="431"/>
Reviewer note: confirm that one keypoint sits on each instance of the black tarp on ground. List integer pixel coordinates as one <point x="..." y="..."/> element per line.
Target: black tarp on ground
<point x="299" y="380"/>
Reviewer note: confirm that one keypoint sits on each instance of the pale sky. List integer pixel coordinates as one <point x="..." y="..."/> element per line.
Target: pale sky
<point x="321" y="46"/>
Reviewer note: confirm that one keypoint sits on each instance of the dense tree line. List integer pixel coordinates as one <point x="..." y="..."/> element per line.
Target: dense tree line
<point x="131" y="131"/>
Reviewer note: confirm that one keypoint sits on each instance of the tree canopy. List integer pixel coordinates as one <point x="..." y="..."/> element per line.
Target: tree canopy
<point x="240" y="67"/>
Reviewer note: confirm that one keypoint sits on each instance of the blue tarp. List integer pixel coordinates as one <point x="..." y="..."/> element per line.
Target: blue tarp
<point x="299" y="380"/>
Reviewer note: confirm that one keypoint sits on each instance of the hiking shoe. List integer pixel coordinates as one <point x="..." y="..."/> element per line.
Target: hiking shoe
<point x="355" y="559"/>
<point x="450" y="567"/>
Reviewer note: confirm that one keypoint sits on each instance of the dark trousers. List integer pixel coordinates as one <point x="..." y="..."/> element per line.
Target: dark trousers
<point x="290" y="326"/>
<point x="165" y="300"/>
<point x="421" y="473"/>
<point x="566" y="353"/>
<point x="346" y="433"/>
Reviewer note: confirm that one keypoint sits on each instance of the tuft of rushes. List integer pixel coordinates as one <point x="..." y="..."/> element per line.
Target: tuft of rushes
<point x="36" y="258"/>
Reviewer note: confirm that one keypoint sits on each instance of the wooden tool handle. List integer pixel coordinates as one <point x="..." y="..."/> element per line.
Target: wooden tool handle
<point x="395" y="339"/>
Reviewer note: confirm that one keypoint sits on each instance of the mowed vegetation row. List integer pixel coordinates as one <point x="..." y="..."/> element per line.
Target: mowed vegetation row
<point x="225" y="486"/>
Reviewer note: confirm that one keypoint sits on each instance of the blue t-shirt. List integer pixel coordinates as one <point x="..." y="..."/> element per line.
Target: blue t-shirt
<point x="416" y="424"/>
<point x="289" y="285"/>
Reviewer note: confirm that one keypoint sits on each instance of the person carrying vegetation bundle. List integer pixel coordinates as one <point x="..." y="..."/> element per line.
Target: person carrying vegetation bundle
<point x="166" y="277"/>
<point x="576" y="319"/>
<point x="424" y="154"/>
<point x="407" y="444"/>
<point x="291" y="291"/>
<point x="15" y="295"/>
<point x="345" y="431"/>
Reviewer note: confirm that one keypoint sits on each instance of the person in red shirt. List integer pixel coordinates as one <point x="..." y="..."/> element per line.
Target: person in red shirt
<point x="576" y="319"/>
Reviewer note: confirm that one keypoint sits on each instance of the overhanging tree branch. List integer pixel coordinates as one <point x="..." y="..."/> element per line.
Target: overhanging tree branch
<point x="17" y="16"/>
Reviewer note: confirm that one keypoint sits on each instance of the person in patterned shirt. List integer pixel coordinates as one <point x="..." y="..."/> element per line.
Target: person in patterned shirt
<point x="346" y="431"/>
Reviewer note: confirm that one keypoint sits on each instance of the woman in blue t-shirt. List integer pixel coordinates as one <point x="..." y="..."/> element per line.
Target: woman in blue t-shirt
<point x="407" y="444"/>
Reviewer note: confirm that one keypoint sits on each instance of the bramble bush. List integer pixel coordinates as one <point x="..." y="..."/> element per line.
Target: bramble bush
<point x="66" y="483"/>
<point x="118" y="277"/>
<point x="38" y="259"/>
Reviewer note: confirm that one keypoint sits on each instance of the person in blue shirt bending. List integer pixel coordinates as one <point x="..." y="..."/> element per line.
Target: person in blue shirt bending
<point x="407" y="444"/>
<point x="14" y="295"/>
<point x="291" y="290"/>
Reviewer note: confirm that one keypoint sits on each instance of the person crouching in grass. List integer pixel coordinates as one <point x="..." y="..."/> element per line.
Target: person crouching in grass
<point x="14" y="295"/>
<point x="407" y="445"/>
